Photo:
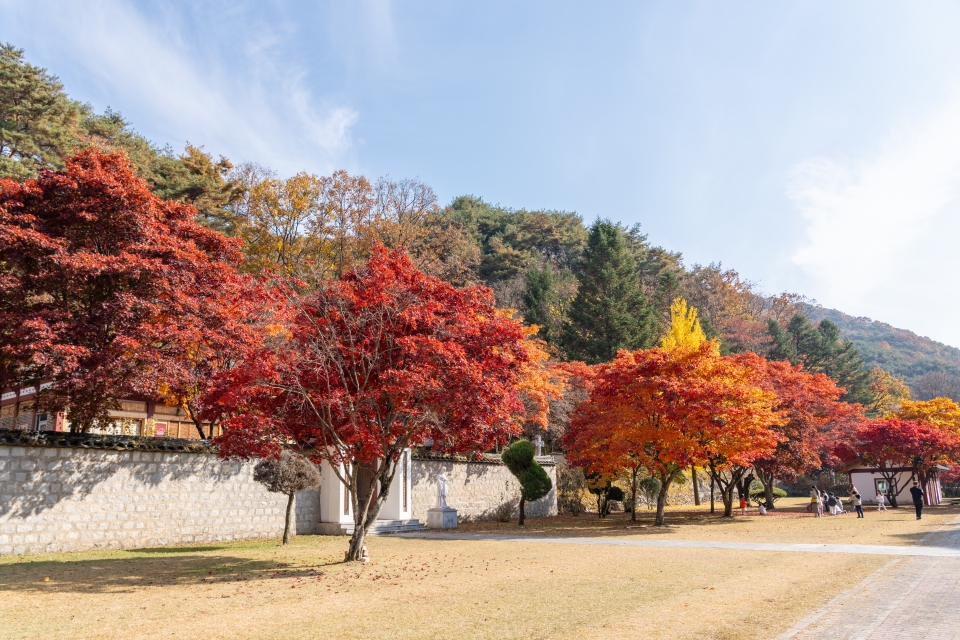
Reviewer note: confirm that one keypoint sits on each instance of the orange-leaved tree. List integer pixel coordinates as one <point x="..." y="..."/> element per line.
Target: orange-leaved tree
<point x="893" y="445"/>
<point x="665" y="409"/>
<point x="383" y="359"/>
<point x="942" y="412"/>
<point x="728" y="418"/>
<point x="814" y="418"/>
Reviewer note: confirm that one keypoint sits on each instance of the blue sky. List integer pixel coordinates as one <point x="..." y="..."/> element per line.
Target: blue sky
<point x="813" y="146"/>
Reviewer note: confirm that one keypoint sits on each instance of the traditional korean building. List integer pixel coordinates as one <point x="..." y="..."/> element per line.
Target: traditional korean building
<point x="869" y="482"/>
<point x="133" y="418"/>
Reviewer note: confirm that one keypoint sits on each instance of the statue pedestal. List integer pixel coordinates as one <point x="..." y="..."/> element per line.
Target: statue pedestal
<point x="442" y="518"/>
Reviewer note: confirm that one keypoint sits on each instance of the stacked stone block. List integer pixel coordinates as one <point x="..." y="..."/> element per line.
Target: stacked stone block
<point x="71" y="499"/>
<point x="477" y="489"/>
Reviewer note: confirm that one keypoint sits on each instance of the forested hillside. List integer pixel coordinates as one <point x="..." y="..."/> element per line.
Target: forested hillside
<point x="930" y="368"/>
<point x="590" y="289"/>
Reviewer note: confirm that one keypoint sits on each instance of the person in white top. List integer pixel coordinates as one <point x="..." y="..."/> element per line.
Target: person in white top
<point x="881" y="505"/>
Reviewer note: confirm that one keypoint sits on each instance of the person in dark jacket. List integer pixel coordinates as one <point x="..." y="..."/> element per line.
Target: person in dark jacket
<point x="858" y="503"/>
<point x="832" y="503"/>
<point x="917" y="493"/>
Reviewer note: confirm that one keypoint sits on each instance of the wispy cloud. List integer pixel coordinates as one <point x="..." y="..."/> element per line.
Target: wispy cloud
<point x="250" y="109"/>
<point x="870" y="220"/>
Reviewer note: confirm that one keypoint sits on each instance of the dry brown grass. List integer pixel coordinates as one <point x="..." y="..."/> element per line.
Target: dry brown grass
<point x="789" y="523"/>
<point x="418" y="589"/>
<point x="442" y="589"/>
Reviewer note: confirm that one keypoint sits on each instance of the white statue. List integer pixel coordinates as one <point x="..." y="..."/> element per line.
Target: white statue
<point x="442" y="483"/>
<point x="538" y="444"/>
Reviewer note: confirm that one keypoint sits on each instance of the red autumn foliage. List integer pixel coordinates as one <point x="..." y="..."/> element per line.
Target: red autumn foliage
<point x="892" y="444"/>
<point x="104" y="285"/>
<point x="383" y="359"/>
<point x="667" y="409"/>
<point x="814" y="420"/>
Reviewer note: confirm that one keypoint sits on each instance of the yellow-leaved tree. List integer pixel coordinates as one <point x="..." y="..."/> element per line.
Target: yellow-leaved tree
<point x="942" y="412"/>
<point x="889" y="392"/>
<point x="685" y="331"/>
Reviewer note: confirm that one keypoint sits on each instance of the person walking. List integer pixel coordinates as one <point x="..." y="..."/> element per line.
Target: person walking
<point x="857" y="504"/>
<point x="881" y="501"/>
<point x="917" y="494"/>
<point x="743" y="506"/>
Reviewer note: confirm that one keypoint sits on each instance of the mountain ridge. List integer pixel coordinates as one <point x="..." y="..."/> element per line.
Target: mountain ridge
<point x="899" y="351"/>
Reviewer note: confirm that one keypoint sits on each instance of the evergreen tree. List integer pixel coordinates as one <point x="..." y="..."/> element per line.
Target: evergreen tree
<point x="820" y="350"/>
<point x="610" y="312"/>
<point x="37" y="120"/>
<point x="534" y="481"/>
<point x="40" y="126"/>
<point x="539" y="298"/>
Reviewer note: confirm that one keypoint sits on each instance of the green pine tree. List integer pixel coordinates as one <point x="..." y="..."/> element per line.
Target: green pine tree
<point x="820" y="350"/>
<point x="37" y="120"/>
<point x="40" y="126"/>
<point x="610" y="312"/>
<point x="539" y="298"/>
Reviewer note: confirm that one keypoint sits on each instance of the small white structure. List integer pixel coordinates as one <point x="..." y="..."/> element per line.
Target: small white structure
<point x="336" y="510"/>
<point x="869" y="482"/>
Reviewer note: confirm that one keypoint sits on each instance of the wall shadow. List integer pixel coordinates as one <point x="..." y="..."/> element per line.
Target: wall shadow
<point x="124" y="575"/>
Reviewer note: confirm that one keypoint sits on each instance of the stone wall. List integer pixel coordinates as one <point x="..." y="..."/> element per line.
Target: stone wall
<point x="67" y="499"/>
<point x="476" y="489"/>
<point x="86" y="494"/>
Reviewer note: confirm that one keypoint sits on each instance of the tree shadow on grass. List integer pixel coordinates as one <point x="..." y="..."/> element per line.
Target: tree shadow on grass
<point x="169" y="550"/>
<point x="620" y="525"/>
<point x="616" y="524"/>
<point x="129" y="574"/>
<point x="928" y="536"/>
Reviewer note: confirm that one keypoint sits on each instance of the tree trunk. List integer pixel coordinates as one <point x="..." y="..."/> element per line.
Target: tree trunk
<point x="366" y="514"/>
<point x="355" y="552"/>
<point x="727" y="497"/>
<point x="286" y="526"/>
<point x="661" y="502"/>
<point x="696" y="486"/>
<point x="713" y="485"/>
<point x="768" y="483"/>
<point x="633" y="493"/>
<point x="522" y="517"/>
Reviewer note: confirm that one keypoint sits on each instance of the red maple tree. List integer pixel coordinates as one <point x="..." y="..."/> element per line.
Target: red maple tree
<point x="892" y="444"/>
<point x="813" y="420"/>
<point x="104" y="285"/>
<point x="383" y="359"/>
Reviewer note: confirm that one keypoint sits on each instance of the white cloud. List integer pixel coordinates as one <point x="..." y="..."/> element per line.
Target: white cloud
<point x="871" y="224"/>
<point x="249" y="109"/>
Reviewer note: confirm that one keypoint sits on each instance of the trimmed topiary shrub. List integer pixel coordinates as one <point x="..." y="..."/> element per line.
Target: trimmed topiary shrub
<point x="534" y="481"/>
<point x="649" y="489"/>
<point x="758" y="496"/>
<point x="287" y="474"/>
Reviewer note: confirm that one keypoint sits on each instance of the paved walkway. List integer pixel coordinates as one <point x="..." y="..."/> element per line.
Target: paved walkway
<point x="907" y="599"/>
